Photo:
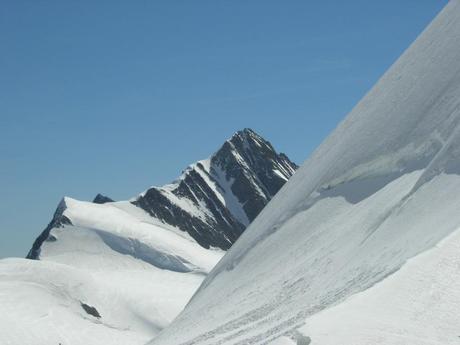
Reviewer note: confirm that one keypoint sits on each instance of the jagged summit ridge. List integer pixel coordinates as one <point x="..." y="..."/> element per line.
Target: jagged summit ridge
<point x="215" y="199"/>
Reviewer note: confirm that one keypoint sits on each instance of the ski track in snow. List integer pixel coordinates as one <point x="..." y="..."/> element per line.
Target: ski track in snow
<point x="423" y="297"/>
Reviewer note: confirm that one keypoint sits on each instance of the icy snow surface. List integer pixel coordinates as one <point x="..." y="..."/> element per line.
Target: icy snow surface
<point x="381" y="189"/>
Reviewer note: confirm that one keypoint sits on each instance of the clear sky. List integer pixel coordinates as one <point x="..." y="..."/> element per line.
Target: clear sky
<point x="116" y="96"/>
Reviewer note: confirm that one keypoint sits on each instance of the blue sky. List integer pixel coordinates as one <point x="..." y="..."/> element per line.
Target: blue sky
<point x="116" y="96"/>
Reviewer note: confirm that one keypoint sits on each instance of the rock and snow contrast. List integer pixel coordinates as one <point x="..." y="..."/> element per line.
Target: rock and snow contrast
<point x="106" y="272"/>
<point x="361" y="246"/>
<point x="215" y="199"/>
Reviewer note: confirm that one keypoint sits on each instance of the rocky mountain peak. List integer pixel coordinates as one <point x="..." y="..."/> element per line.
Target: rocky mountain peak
<point x="101" y="199"/>
<point x="215" y="199"/>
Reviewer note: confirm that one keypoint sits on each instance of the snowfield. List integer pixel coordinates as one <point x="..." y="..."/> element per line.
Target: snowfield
<point x="359" y="246"/>
<point x="135" y="271"/>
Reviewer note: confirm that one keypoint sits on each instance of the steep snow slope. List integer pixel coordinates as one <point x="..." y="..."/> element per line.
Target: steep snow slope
<point x="137" y="273"/>
<point x="382" y="188"/>
<point x="215" y="199"/>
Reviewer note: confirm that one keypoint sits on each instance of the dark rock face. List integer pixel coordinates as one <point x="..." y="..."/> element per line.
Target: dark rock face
<point x="215" y="199"/>
<point x="90" y="310"/>
<point x="101" y="199"/>
<point x="59" y="220"/>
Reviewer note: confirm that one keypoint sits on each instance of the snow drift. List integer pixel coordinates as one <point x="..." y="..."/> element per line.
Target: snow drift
<point x="383" y="188"/>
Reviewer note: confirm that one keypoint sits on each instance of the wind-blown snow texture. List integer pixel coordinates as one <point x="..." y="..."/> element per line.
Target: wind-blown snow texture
<point x="215" y="199"/>
<point x="382" y="188"/>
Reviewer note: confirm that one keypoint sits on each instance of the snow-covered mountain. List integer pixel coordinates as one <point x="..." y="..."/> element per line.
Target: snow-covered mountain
<point x="108" y="272"/>
<point x="361" y="246"/>
<point x="215" y="199"/>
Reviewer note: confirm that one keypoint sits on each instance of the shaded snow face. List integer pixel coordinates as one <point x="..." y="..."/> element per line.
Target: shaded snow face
<point x="382" y="188"/>
<point x="139" y="250"/>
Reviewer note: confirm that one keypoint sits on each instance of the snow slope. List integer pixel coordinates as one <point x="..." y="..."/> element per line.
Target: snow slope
<point x="381" y="189"/>
<point x="135" y="271"/>
<point x="419" y="304"/>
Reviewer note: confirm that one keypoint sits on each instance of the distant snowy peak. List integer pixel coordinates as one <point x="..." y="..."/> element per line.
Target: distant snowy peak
<point x="254" y="157"/>
<point x="215" y="199"/>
